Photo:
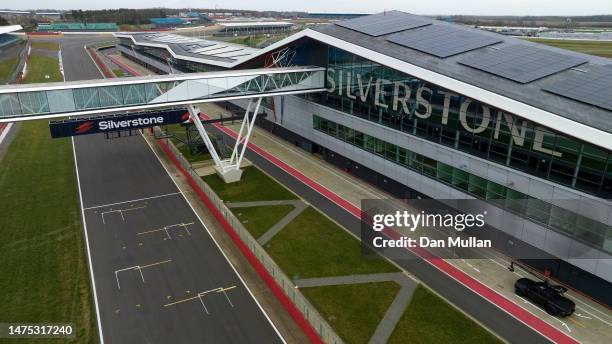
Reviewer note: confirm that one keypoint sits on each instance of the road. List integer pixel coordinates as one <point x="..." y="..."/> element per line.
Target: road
<point x="159" y="276"/>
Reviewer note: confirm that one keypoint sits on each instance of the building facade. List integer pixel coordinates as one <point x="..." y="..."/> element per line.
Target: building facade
<point x="418" y="120"/>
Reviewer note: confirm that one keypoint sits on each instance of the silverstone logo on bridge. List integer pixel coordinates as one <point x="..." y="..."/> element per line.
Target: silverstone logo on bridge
<point x="128" y="124"/>
<point x="110" y="123"/>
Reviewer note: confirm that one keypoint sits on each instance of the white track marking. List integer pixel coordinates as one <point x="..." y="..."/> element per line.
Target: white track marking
<point x="217" y="244"/>
<point x="5" y="132"/>
<point x="130" y="201"/>
<point x="91" y="273"/>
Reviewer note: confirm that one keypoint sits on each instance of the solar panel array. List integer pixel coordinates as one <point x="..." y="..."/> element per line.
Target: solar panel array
<point x="443" y="40"/>
<point x="384" y="23"/>
<point x="593" y="87"/>
<point x="522" y="63"/>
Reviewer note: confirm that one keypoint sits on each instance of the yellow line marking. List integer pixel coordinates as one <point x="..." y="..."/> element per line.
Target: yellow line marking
<point x="576" y="322"/>
<point x="157" y="263"/>
<point x="181" y="301"/>
<point x="151" y="231"/>
<point x="226" y="289"/>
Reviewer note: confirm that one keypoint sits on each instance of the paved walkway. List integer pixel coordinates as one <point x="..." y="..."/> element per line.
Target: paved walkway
<point x="394" y="312"/>
<point x="298" y="205"/>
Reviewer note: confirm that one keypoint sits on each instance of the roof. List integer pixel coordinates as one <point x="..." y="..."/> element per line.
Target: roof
<point x="10" y="28"/>
<point x="526" y="100"/>
<point x="214" y="53"/>
<point x="531" y="93"/>
<point x="254" y="24"/>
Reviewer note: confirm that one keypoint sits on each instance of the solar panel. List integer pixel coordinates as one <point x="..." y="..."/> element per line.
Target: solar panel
<point x="384" y="23"/>
<point x="443" y="40"/>
<point x="593" y="87"/>
<point x="522" y="63"/>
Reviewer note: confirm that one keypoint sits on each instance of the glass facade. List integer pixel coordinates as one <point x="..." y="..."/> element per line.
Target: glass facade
<point x="593" y="233"/>
<point x="396" y="100"/>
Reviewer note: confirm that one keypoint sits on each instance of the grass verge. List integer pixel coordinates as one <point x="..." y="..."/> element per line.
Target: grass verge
<point x="353" y="310"/>
<point x="119" y="72"/>
<point x="43" y="69"/>
<point x="313" y="246"/>
<point x="428" y="319"/>
<point x="599" y="48"/>
<point x="7" y="67"/>
<point x="258" y="220"/>
<point x="55" y="46"/>
<point x="43" y="275"/>
<point x="254" y="186"/>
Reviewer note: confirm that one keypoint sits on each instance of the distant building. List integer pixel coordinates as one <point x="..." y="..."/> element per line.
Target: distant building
<point x="254" y="28"/>
<point x="77" y="27"/>
<point x="6" y="38"/>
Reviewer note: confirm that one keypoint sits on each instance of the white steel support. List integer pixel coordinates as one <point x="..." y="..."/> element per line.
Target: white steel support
<point x="194" y="114"/>
<point x="229" y="169"/>
<point x="243" y="138"/>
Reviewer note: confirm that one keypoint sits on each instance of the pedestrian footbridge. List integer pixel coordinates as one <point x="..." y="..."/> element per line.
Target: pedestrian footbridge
<point x="94" y="97"/>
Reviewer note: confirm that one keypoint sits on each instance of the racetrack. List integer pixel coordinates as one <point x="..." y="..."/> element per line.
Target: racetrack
<point x="159" y="276"/>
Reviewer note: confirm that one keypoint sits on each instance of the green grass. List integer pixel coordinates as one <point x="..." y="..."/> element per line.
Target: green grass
<point x="40" y="66"/>
<point x="119" y="72"/>
<point x="313" y="246"/>
<point x="45" y="45"/>
<point x="254" y="186"/>
<point x="7" y="67"/>
<point x="43" y="275"/>
<point x="184" y="149"/>
<point x="428" y="319"/>
<point x="599" y="48"/>
<point x="354" y="310"/>
<point x="258" y="220"/>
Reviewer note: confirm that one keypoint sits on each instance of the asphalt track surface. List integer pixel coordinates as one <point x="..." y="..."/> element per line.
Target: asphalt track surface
<point x="491" y="316"/>
<point x="157" y="281"/>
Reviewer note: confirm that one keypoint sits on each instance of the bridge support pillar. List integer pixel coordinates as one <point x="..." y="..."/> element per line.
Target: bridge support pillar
<point x="229" y="169"/>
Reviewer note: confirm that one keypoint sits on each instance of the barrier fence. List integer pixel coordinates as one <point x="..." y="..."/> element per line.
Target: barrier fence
<point x="316" y="321"/>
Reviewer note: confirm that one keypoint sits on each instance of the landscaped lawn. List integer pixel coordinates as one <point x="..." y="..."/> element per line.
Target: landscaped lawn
<point x="254" y="186"/>
<point x="428" y="319"/>
<point x="119" y="72"/>
<point x="258" y="220"/>
<point x="40" y="67"/>
<point x="313" y="246"/>
<point x="44" y="277"/>
<point x="45" y="45"/>
<point x="599" y="48"/>
<point x="353" y="310"/>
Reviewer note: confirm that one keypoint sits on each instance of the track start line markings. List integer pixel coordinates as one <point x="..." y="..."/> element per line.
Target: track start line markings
<point x="200" y="296"/>
<point x="165" y="229"/>
<point x="120" y="211"/>
<point x="139" y="269"/>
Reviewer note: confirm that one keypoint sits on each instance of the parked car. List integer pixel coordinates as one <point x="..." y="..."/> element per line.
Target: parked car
<point x="549" y="297"/>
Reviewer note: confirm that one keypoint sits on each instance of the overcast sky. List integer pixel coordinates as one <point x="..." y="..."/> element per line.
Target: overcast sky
<point x="482" y="7"/>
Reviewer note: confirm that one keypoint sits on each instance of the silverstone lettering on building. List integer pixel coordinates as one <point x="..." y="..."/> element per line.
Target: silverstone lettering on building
<point x="343" y="84"/>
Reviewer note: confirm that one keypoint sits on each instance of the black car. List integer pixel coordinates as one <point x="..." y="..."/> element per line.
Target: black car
<point x="549" y="297"/>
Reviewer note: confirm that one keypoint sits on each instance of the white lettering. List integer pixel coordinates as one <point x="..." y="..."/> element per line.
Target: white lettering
<point x="404" y="100"/>
<point x="539" y="140"/>
<point x="486" y="117"/>
<point x="420" y="100"/>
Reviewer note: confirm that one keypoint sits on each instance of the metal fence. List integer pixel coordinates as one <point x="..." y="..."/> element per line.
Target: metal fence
<point x="325" y="331"/>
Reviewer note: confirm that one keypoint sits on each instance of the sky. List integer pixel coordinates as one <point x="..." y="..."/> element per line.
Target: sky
<point x="477" y="7"/>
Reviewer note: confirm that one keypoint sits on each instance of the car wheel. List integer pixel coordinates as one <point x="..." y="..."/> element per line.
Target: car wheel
<point x="519" y="291"/>
<point x="550" y="309"/>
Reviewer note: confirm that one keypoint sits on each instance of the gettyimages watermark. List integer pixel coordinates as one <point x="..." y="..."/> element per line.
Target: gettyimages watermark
<point x="469" y="229"/>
